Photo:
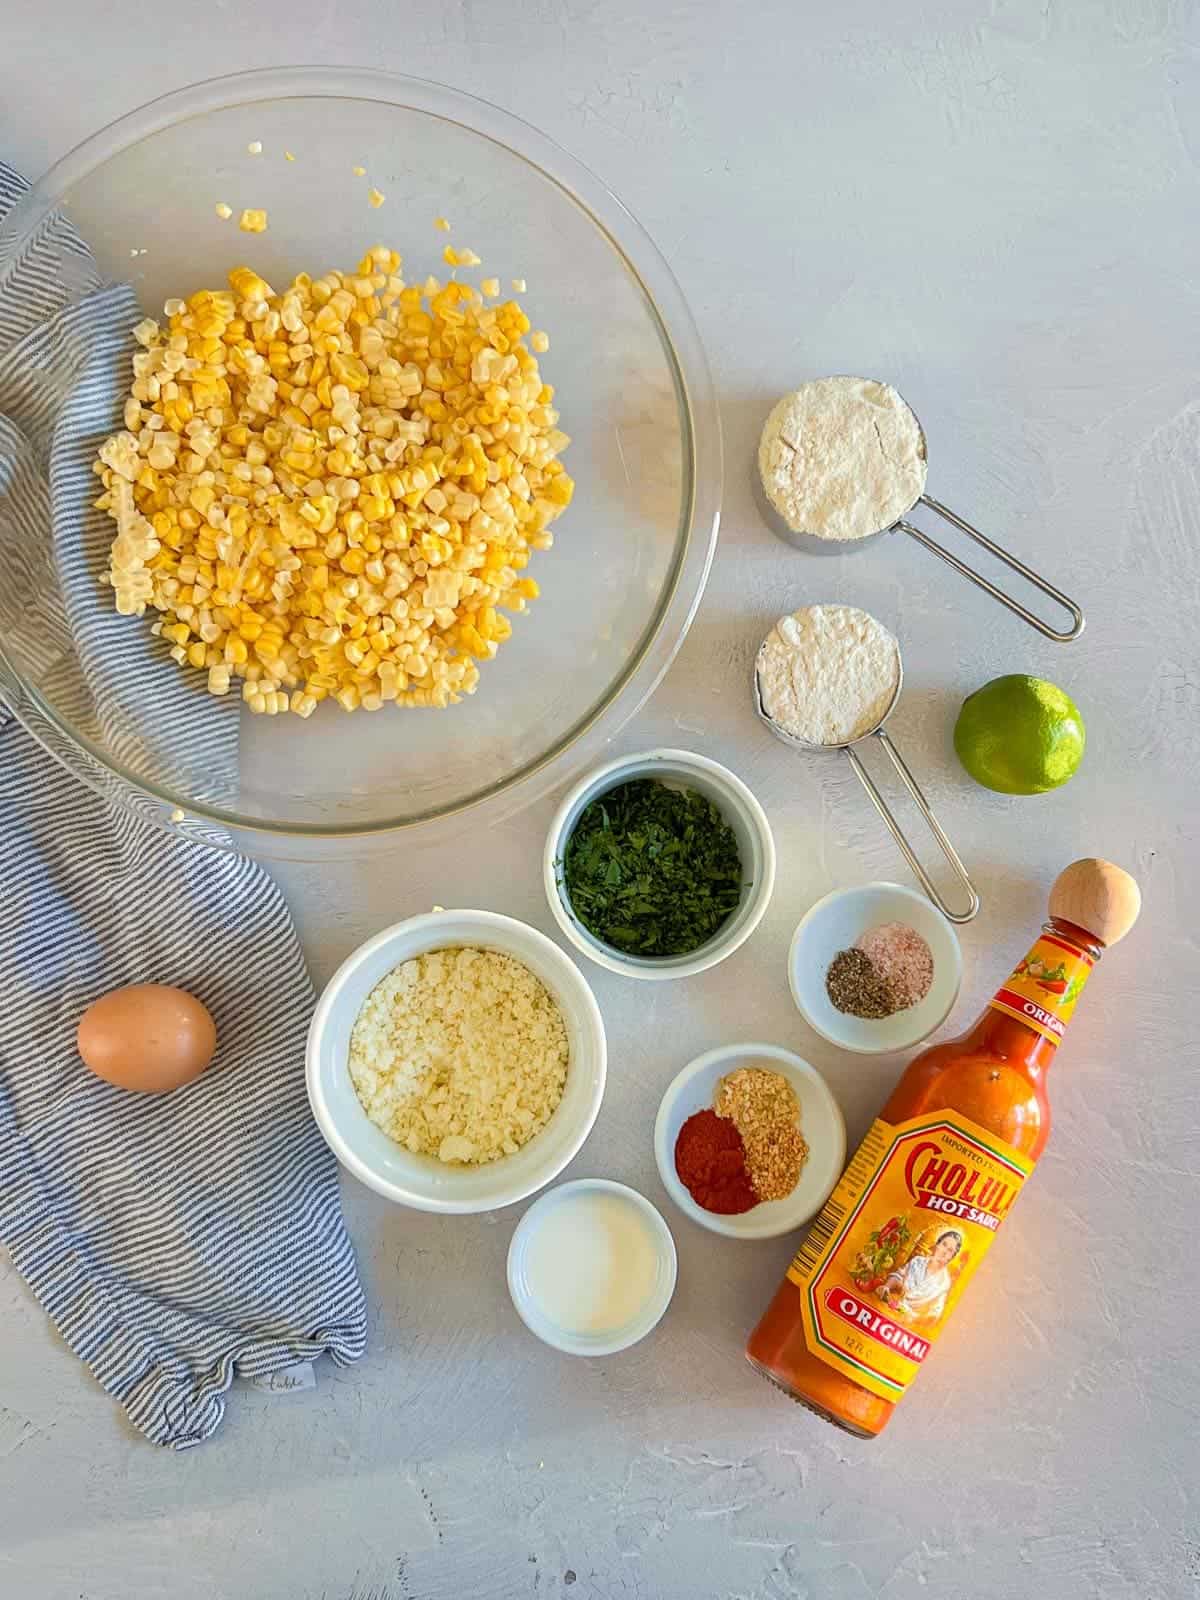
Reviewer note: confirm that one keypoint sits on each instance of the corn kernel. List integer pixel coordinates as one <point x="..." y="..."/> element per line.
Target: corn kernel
<point x="248" y="285"/>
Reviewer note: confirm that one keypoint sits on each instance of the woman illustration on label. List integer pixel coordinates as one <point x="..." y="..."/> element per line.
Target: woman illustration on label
<point x="919" y="1288"/>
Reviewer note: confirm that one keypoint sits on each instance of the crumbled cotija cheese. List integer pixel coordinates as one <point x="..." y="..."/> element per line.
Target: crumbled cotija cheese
<point x="460" y="1054"/>
<point x="842" y="458"/>
<point x="828" y="674"/>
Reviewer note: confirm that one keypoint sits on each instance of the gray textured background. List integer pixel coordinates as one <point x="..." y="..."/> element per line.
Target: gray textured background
<point x="995" y="207"/>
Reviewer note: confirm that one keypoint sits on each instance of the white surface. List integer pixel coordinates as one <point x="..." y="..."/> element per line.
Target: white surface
<point x="1038" y="308"/>
<point x="421" y="1181"/>
<point x="756" y="851"/>
<point x="839" y="920"/>
<point x="821" y="1122"/>
<point x="592" y="1267"/>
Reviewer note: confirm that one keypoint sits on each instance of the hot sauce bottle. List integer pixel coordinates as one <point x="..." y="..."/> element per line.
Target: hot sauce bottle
<point x="882" y="1268"/>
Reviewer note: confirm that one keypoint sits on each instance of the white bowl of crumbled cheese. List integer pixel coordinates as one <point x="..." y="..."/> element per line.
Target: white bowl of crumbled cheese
<point x="456" y="1061"/>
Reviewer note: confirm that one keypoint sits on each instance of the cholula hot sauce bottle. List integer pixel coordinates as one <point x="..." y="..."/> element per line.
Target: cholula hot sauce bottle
<point x="882" y="1268"/>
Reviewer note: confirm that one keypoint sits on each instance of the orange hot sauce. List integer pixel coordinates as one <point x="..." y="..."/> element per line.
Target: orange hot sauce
<point x="883" y="1266"/>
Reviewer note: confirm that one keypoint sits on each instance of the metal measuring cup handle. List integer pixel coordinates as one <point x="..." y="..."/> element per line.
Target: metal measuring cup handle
<point x="897" y="832"/>
<point x="986" y="584"/>
<point x="881" y="805"/>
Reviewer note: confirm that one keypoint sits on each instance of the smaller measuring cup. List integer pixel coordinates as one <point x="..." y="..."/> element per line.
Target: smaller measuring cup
<point x="808" y="540"/>
<point x="880" y="804"/>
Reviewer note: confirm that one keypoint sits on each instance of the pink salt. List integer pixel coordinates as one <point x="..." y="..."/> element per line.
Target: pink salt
<point x="902" y="958"/>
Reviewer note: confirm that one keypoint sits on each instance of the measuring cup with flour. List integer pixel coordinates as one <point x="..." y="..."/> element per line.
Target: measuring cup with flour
<point x="843" y="460"/>
<point x="828" y="677"/>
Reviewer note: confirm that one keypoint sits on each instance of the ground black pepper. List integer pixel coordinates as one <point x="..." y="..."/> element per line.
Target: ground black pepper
<point x="856" y="986"/>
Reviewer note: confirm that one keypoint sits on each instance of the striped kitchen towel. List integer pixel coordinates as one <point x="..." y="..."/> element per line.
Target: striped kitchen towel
<point x="176" y="1241"/>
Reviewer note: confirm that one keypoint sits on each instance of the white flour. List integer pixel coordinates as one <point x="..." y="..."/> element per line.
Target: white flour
<point x="828" y="674"/>
<point x="841" y="458"/>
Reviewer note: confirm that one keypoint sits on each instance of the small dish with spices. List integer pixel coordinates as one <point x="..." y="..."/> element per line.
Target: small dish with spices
<point x="659" y="865"/>
<point x="746" y="1119"/>
<point x="875" y="968"/>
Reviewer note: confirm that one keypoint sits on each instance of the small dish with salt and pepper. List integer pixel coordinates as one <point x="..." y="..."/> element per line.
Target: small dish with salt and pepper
<point x="911" y="951"/>
<point x="696" y="1089"/>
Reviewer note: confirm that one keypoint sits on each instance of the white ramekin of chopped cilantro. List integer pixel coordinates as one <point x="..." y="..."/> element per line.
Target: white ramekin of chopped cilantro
<point x="659" y="865"/>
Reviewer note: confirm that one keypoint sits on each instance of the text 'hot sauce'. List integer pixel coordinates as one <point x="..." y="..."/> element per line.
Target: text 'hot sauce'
<point x="882" y="1268"/>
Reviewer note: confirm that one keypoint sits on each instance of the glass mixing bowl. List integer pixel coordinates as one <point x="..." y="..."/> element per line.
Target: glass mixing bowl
<point x="631" y="554"/>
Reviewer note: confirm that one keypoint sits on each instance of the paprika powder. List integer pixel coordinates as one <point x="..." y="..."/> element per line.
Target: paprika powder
<point x="710" y="1159"/>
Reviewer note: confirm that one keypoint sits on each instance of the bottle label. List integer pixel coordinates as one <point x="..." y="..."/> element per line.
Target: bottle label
<point x="1045" y="986"/>
<point x="912" y="1217"/>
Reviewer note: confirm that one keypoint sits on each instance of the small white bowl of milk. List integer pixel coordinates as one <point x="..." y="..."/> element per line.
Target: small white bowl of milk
<point x="591" y="1267"/>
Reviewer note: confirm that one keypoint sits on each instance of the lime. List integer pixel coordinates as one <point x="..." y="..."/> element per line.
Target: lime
<point x="1019" y="735"/>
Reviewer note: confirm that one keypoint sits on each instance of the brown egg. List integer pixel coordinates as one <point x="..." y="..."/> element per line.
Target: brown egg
<point x="147" y="1037"/>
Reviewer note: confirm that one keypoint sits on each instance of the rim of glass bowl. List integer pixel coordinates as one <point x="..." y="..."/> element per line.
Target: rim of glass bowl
<point x="694" y="393"/>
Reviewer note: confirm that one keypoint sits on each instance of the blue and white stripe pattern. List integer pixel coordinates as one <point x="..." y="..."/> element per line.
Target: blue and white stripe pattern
<point x="65" y="347"/>
<point x="176" y="1241"/>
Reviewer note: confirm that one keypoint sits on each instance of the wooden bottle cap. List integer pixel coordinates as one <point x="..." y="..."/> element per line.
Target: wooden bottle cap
<point x="1097" y="896"/>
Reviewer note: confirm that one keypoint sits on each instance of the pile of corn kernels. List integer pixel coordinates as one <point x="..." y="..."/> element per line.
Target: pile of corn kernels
<point x="330" y="493"/>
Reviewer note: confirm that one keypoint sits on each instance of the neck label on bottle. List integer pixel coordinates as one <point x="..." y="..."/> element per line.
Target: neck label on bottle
<point x="1043" y="989"/>
<point x="896" y="1243"/>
